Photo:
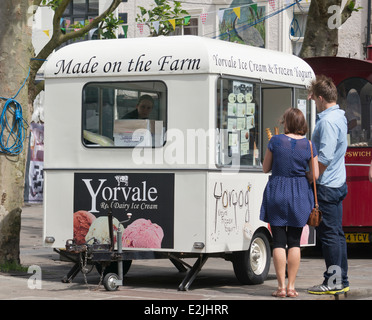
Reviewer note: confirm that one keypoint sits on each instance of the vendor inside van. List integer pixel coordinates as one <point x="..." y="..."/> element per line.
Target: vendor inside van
<point x="143" y="108"/>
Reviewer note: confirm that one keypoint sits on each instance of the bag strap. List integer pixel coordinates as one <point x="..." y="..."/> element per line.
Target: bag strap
<point x="314" y="180"/>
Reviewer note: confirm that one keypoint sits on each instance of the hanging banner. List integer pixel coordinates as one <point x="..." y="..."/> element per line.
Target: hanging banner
<point x="243" y="24"/>
<point x="36" y="164"/>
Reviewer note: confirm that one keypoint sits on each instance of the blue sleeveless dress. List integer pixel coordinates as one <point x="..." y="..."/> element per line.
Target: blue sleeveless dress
<point x="288" y="197"/>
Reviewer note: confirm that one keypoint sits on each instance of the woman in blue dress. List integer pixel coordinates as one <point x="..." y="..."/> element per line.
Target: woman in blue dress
<point x="288" y="197"/>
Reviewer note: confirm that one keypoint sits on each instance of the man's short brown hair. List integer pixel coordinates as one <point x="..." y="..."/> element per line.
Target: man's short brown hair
<point x="324" y="87"/>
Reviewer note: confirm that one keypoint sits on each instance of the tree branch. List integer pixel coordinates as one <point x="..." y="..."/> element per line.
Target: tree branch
<point x="37" y="2"/>
<point x="58" y="38"/>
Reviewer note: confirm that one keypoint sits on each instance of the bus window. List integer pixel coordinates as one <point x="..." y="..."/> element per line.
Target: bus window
<point x="238" y="123"/>
<point x="124" y="114"/>
<point x="355" y="96"/>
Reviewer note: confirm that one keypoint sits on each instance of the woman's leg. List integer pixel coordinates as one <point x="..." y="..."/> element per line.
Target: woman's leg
<point x="280" y="261"/>
<point x="279" y="253"/>
<point x="294" y="258"/>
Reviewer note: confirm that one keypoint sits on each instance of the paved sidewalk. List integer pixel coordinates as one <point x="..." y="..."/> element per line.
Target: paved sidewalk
<point x="157" y="279"/>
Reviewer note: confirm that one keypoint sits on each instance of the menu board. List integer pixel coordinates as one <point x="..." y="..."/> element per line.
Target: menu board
<point x="241" y="112"/>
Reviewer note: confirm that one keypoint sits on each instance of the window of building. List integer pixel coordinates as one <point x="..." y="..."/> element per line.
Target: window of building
<point x="354" y="96"/>
<point x="190" y="29"/>
<point x="298" y="27"/>
<point x="80" y="10"/>
<point x="124" y="114"/>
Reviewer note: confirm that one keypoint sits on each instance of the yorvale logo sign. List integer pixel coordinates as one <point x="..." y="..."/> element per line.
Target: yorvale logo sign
<point x="119" y="194"/>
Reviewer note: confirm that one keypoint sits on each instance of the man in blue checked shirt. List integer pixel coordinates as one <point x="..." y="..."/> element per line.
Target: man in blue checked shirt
<point x="330" y="139"/>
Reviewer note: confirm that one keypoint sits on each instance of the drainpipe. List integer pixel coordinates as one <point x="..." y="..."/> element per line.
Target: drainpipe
<point x="368" y="41"/>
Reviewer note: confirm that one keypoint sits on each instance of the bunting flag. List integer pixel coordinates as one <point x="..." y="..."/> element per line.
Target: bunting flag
<point x="220" y="14"/>
<point x="203" y="17"/>
<point x="272" y="4"/>
<point x="173" y="23"/>
<point x="254" y="7"/>
<point x="140" y="27"/>
<point x="237" y="11"/>
<point x="155" y="24"/>
<point x="125" y="30"/>
<point x="186" y="19"/>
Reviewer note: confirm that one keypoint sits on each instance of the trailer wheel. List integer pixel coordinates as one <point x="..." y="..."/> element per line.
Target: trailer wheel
<point x="109" y="282"/>
<point x="252" y="266"/>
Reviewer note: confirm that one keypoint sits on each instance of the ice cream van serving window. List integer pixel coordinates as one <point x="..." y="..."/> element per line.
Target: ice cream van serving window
<point x="124" y="114"/>
<point x="245" y="110"/>
<point x="238" y="123"/>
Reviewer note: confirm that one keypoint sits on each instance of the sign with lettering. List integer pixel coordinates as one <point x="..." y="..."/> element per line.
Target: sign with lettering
<point x="148" y="197"/>
<point x="138" y="64"/>
<point x="170" y="55"/>
<point x="285" y="68"/>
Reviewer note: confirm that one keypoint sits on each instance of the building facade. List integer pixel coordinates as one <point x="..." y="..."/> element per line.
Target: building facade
<point x="273" y="24"/>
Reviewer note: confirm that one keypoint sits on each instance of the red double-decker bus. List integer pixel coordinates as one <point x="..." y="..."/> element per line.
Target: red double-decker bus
<point x="353" y="79"/>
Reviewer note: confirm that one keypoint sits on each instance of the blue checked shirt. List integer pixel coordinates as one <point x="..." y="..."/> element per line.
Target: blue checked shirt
<point x="330" y="139"/>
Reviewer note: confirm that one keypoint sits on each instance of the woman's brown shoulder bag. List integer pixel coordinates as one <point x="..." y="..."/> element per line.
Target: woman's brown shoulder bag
<point x="316" y="215"/>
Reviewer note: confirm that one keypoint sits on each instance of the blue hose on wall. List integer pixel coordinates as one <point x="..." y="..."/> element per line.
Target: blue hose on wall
<point x="12" y="135"/>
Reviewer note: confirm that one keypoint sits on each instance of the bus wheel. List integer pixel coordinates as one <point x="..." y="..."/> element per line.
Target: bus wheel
<point x="252" y="266"/>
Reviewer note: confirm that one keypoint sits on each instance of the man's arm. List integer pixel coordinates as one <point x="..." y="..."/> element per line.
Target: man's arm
<point x="322" y="168"/>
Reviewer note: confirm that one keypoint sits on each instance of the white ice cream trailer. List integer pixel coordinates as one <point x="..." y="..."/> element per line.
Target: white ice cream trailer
<point x="189" y="173"/>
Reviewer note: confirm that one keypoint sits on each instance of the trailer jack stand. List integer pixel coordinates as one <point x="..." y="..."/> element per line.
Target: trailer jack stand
<point x="193" y="272"/>
<point x="72" y="273"/>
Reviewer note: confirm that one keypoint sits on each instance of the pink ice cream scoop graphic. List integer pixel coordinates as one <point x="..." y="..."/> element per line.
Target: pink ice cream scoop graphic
<point x="142" y="233"/>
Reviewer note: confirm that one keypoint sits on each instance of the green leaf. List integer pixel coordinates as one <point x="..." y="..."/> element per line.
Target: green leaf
<point x="162" y="12"/>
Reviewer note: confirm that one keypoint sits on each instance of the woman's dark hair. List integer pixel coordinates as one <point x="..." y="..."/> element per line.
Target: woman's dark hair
<point x="145" y="97"/>
<point x="294" y="122"/>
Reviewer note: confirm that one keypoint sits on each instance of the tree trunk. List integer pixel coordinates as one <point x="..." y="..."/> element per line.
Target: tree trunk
<point x="15" y="54"/>
<point x="321" y="34"/>
<point x="10" y="226"/>
<point x="319" y="39"/>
